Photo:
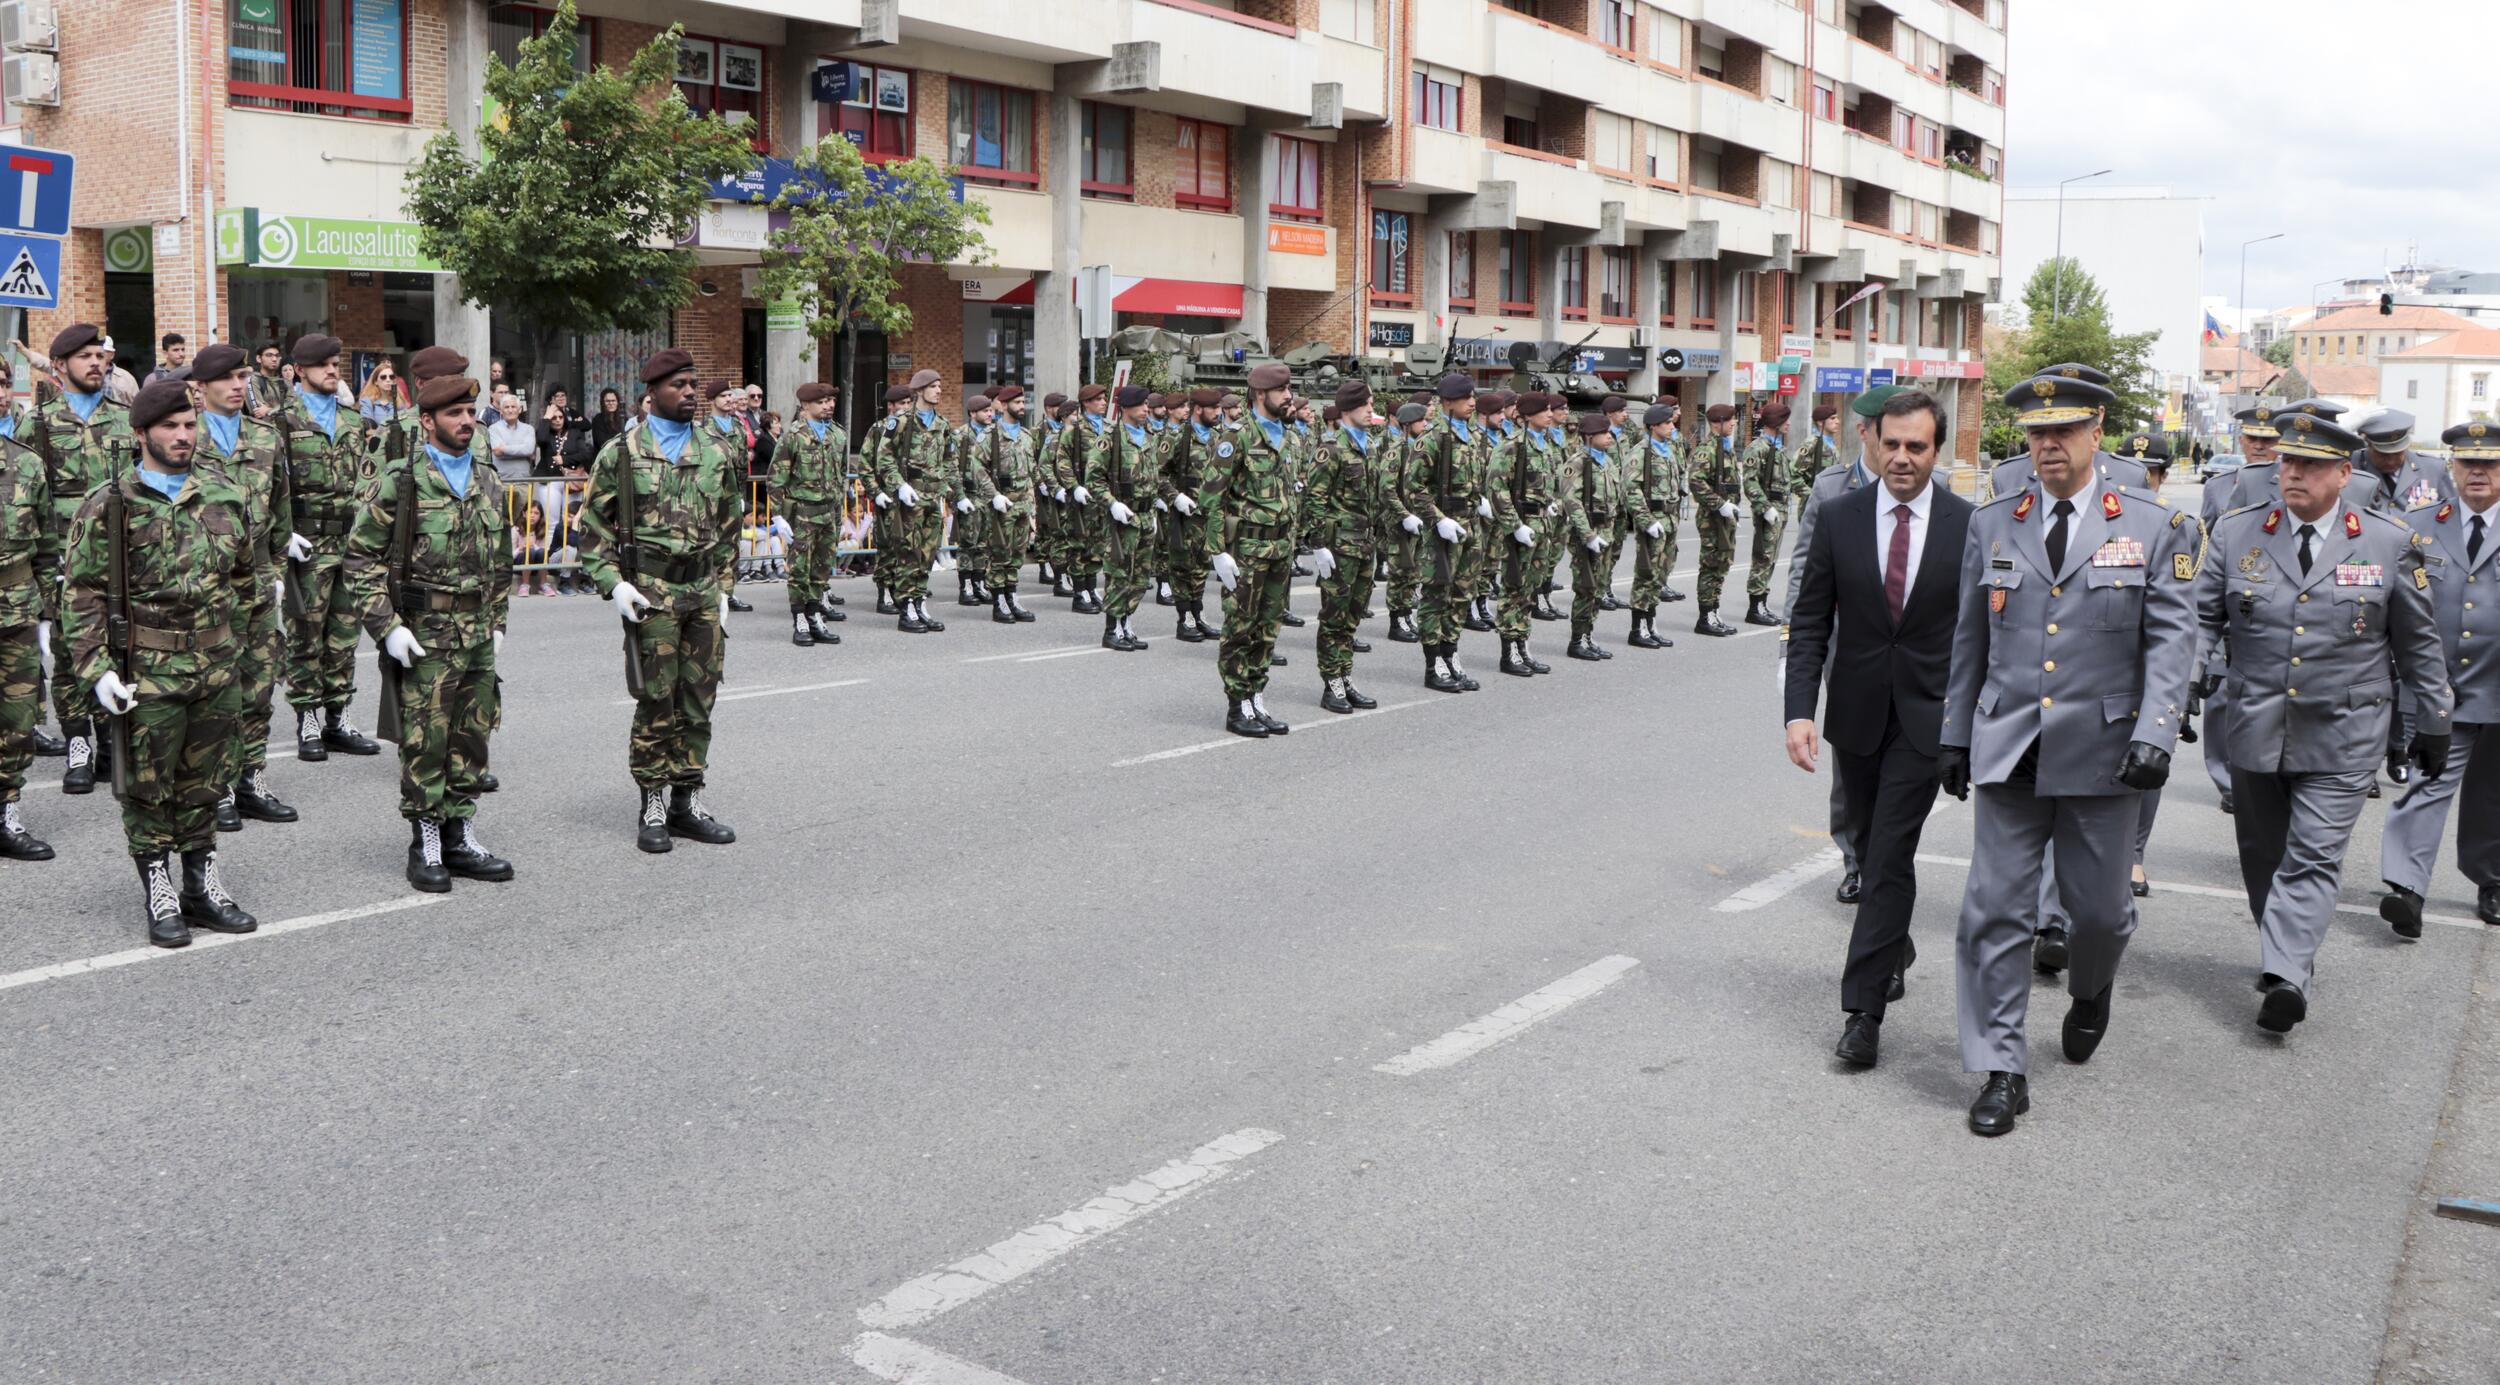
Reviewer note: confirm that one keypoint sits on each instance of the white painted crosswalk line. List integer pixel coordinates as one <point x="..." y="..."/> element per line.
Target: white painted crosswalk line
<point x="1511" y="1020"/>
<point x="1772" y="889"/>
<point x="201" y="942"/>
<point x="909" y="1363"/>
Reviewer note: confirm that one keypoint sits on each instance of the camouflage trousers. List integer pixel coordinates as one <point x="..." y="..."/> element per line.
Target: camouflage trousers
<point x="682" y="651"/>
<point x="815" y="537"/>
<point x="321" y="649"/>
<point x="1128" y="563"/>
<point x="1447" y="585"/>
<point x="1652" y="560"/>
<point x="1766" y="549"/>
<point x="1045" y="512"/>
<point x="1081" y="544"/>
<point x="1406" y="577"/>
<point x="1185" y="560"/>
<point x="1008" y="535"/>
<point x="260" y="645"/>
<point x="1511" y="618"/>
<point x="1718" y="551"/>
<point x="448" y="705"/>
<point x="1252" y="611"/>
<point x="971" y="536"/>
<point x="1345" y="597"/>
<point x="916" y="531"/>
<point x="1551" y="534"/>
<point x="181" y="748"/>
<point x="21" y="706"/>
<point x="1592" y="576"/>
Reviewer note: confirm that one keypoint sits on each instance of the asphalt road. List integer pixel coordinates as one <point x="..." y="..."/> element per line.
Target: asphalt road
<point x="1036" y="1031"/>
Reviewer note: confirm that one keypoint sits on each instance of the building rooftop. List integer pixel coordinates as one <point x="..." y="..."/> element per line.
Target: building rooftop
<point x="2403" y="319"/>
<point x="2471" y="343"/>
<point x="2343" y="381"/>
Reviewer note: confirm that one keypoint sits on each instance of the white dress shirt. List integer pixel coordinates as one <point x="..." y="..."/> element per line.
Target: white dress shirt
<point x="1885" y="519"/>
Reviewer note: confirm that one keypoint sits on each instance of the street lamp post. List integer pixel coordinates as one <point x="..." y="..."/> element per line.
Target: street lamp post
<point x="2239" y="367"/>
<point x="2057" y="307"/>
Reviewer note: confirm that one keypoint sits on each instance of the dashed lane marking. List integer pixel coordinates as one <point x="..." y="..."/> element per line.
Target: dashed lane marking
<point x="1029" y="653"/>
<point x="1773" y="888"/>
<point x="2240" y="897"/>
<point x="1511" y="1020"/>
<point x="800" y="688"/>
<point x="909" y="1363"/>
<point x="1178" y="751"/>
<point x="202" y="942"/>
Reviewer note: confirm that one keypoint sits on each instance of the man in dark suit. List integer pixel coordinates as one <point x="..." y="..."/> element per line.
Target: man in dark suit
<point x="1877" y="605"/>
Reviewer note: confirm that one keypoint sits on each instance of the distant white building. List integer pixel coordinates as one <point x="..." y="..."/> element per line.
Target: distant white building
<point x="2442" y="383"/>
<point x="2143" y="246"/>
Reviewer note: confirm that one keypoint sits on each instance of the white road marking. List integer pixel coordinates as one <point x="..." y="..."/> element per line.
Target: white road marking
<point x="1029" y="653"/>
<point x="1511" y="1020"/>
<point x="776" y="692"/>
<point x="1772" y="888"/>
<point x="1178" y="751"/>
<point x="202" y="941"/>
<point x="2240" y="897"/>
<point x="919" y="1300"/>
<point x="46" y="785"/>
<point x="910" y="1363"/>
<point x="1063" y="654"/>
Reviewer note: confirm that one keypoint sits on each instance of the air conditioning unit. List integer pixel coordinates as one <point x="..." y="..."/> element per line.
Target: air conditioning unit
<point x="29" y="26"/>
<point x="30" y="79"/>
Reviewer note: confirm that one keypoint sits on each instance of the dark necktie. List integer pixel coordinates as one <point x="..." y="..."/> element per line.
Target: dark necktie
<point x="2474" y="544"/>
<point x="2308" y="534"/>
<point x="2057" y="536"/>
<point x="1897" y="563"/>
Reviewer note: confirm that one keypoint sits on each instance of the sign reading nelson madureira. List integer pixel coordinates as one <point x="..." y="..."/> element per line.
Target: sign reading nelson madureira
<point x="246" y="237"/>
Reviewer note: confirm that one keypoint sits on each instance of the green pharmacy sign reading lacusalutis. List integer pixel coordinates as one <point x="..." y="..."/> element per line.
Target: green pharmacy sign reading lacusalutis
<point x="245" y="237"/>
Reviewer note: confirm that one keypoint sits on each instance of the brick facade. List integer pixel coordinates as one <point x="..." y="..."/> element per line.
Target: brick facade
<point x="712" y="328"/>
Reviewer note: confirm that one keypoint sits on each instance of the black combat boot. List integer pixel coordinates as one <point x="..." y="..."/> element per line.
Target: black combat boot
<point x="1436" y="676"/>
<point x="1581" y="647"/>
<point x="1111" y="638"/>
<point x="737" y="603"/>
<point x="1198" y="622"/>
<point x="1000" y="612"/>
<point x="1758" y="612"/>
<point x="15" y="843"/>
<point x="687" y="819"/>
<point x="486" y="783"/>
<point x="885" y="601"/>
<point x="830" y="608"/>
<point x="652" y="836"/>
<point x="1476" y="619"/>
<point x="205" y="903"/>
<point x="80" y="776"/>
<point x="1711" y="624"/>
<point x="963" y="591"/>
<point x="338" y="735"/>
<point x="920" y="608"/>
<point x="255" y="800"/>
<point x="465" y="853"/>
<point x="163" y="903"/>
<point x="824" y="633"/>
<point x="1184" y="631"/>
<point x="1242" y="719"/>
<point x="426" y="870"/>
<point x="801" y="633"/>
<point x="47" y="744"/>
<point x="1062" y="585"/>
<point x="308" y="746"/>
<point x="1163" y="593"/>
<point x="1544" y="607"/>
<point x="1602" y="651"/>
<point x="228" y="818"/>
<point x="1361" y="700"/>
<point x="1670" y="594"/>
<point x="1016" y="608"/>
<point x="1332" y="696"/>
<point x="832" y="600"/>
<point x="1535" y="664"/>
<point x="1135" y="645"/>
<point x="1608" y="601"/>
<point x="1515" y="659"/>
<point x="1645" y="631"/>
<point x="909" y="620"/>
<point x="1258" y="708"/>
<point x="1292" y="621"/>
<point x="1402" y="629"/>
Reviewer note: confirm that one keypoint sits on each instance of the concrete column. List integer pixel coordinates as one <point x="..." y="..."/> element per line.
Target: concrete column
<point x="1549" y="297"/>
<point x="1723" y="384"/>
<point x="1432" y="261"/>
<point x="1646" y="262"/>
<point x="464" y="327"/>
<point x="790" y="356"/>
<point x="1254" y="154"/>
<point x="1057" y="354"/>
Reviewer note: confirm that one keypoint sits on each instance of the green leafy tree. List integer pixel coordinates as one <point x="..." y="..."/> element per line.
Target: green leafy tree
<point x="2067" y="319"/>
<point x="850" y="230"/>
<point x="2279" y="351"/>
<point x="570" y="217"/>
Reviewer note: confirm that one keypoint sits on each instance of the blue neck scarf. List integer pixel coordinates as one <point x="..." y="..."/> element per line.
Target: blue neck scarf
<point x="1361" y="443"/>
<point x="817" y="426"/>
<point x="225" y="430"/>
<point x="1273" y="427"/>
<point x="669" y="435"/>
<point x="1157" y="425"/>
<point x="168" y="486"/>
<point x="1011" y="428"/>
<point x="1205" y="434"/>
<point x="8" y="424"/>
<point x="1136" y="434"/>
<point x="1459" y="426"/>
<point x="324" y="409"/>
<point x="1053" y="425"/>
<point x="1101" y="423"/>
<point x="83" y="405"/>
<point x="454" y="466"/>
<point x="928" y="418"/>
<point x="1663" y="449"/>
<point x="1596" y="454"/>
<point x="727" y="423"/>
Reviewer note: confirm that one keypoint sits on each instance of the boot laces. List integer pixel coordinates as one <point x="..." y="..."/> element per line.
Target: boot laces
<point x="163" y="898"/>
<point x="309" y="726"/>
<point x="81" y="752"/>
<point x="654" y="808"/>
<point x="430" y="841"/>
<point x="212" y="884"/>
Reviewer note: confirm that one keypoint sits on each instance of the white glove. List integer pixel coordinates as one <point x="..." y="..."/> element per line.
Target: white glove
<point x="884" y="501"/>
<point x="298" y="547"/>
<point x="963" y="505"/>
<point x="1323" y="563"/>
<point x="1728" y="510"/>
<point x="402" y="645"/>
<point x="724" y="608"/>
<point x="1227" y="572"/>
<point x="277" y="590"/>
<point x="1596" y="544"/>
<point x="1159" y="505"/>
<point x="781" y="526"/>
<point x="1763" y="515"/>
<point x="114" y="695"/>
<point x="1084" y="496"/>
<point x="1523" y="536"/>
<point x="906" y="494"/>
<point x="629" y="602"/>
<point x="1060" y="495"/>
<point x="1654" y="530"/>
<point x="43" y="641"/>
<point x="499" y="643"/>
<point x="1122" y="514"/>
<point x="1411" y="524"/>
<point x="1184" y="504"/>
<point x="1448" y="530"/>
<point x="999" y="503"/>
<point x="1484" y="509"/>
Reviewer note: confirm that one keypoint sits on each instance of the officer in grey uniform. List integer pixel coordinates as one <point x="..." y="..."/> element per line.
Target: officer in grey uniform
<point x="2014" y="472"/>
<point x="2459" y="537"/>
<point x="1840" y="478"/>
<point x="2390" y="477"/>
<point x="2314" y="598"/>
<point x="2071" y="661"/>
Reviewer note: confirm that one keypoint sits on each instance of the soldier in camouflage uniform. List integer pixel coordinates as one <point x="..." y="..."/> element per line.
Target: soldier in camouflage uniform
<point x="1715" y="477"/>
<point x="1495" y="417"/>
<point x="1004" y="480"/>
<point x="689" y="503"/>
<point x="1166" y="431"/>
<point x="84" y="436"/>
<point x="1651" y="463"/>
<point x="1445" y="488"/>
<point x="1047" y="542"/>
<point x="330" y="456"/>
<point x="1405" y="577"/>
<point x="1766" y="495"/>
<point x="438" y="610"/>
<point x="1593" y="489"/>
<point x="246" y="453"/>
<point x="971" y="520"/>
<point x="883" y="518"/>
<point x="30" y="561"/>
<point x="1124" y="483"/>
<point x="1195" y="437"/>
<point x="1248" y="501"/>
<point x="1821" y="451"/>
<point x="807" y="485"/>
<point x="1527" y="508"/>
<point x="913" y="467"/>
<point x="1080" y="560"/>
<point x="1622" y="449"/>
<point x="1351" y="499"/>
<point x="161" y="655"/>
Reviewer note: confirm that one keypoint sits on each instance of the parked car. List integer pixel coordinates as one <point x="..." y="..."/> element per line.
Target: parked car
<point x="2220" y="464"/>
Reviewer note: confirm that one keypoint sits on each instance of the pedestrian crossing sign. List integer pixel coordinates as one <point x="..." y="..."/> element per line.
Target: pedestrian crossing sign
<point x="30" y="271"/>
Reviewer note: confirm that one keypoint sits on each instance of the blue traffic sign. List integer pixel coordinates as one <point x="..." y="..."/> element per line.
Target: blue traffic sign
<point x="1877" y="379"/>
<point x="30" y="272"/>
<point x="1835" y="379"/>
<point x="34" y="191"/>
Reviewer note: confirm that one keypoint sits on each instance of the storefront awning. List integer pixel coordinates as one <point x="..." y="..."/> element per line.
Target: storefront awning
<point x="1129" y="294"/>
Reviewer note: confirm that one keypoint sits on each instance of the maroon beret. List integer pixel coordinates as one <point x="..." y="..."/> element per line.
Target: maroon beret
<point x="1775" y="416"/>
<point x="1721" y="413"/>
<point x="896" y="394"/>
<point x="158" y="402"/>
<point x="1352" y="395"/>
<point x="1052" y="401"/>
<point x="665" y="362"/>
<point x="977" y="404"/>
<point x="1205" y="397"/>
<point x="312" y="348"/>
<point x="1007" y="393"/>
<point x="1087" y="394"/>
<point x="434" y="361"/>
<point x="1594" y="425"/>
<point x="1270" y="375"/>
<point x="445" y="390"/>
<point x="74" y="338"/>
<point x="922" y="378"/>
<point x="217" y="360"/>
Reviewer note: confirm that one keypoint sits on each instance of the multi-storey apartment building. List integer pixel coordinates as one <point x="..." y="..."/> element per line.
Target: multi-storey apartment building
<point x="1688" y="190"/>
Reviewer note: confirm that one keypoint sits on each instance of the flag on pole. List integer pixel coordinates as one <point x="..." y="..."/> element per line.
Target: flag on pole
<point x="1860" y="296"/>
<point x="2213" y="329"/>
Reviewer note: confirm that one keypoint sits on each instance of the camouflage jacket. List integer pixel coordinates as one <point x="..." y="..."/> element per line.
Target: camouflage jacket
<point x="1004" y="465"/>
<point x="188" y="558"/>
<point x="254" y="469"/>
<point x="327" y="473"/>
<point x="1185" y="463"/>
<point x="808" y="469"/>
<point x="1078" y="443"/>
<point x="1809" y="462"/>
<point x="459" y="561"/>
<point x="1526" y="485"/>
<point x="80" y="456"/>
<point x="1446" y="473"/>
<point x="1655" y="476"/>
<point x="1766" y="474"/>
<point x="269" y="392"/>
<point x="1124" y="469"/>
<point x="1643" y="493"/>
<point x="1352" y="497"/>
<point x="30" y="540"/>
<point x="687" y="516"/>
<point x="1248" y="497"/>
<point x="915" y="452"/>
<point x="1595" y="489"/>
<point x="1715" y="472"/>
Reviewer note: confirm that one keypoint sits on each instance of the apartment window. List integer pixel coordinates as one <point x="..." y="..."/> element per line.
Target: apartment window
<point x="2482" y="385"/>
<point x="1614" y="24"/>
<point x="2413" y="389"/>
<point x="1463" y="270"/>
<point x="508" y="26"/>
<point x="1516" y="254"/>
<point x="1904" y="130"/>
<point x="1202" y="166"/>
<point x="1519" y="130"/>
<point x="1393" y="255"/>
<point x="1779" y="80"/>
<point x="1573" y="286"/>
<point x="1293" y="189"/>
<point x="1992" y="85"/>
<point x="2382" y="346"/>
<point x="1931" y="57"/>
<point x="1892" y="319"/>
<point x="1668" y="271"/>
<point x="1779" y="183"/>
<point x="1348" y="19"/>
<point x="1991" y="160"/>
<point x="1746" y="292"/>
<point x="1437" y="99"/>
<point x="1705" y="294"/>
<point x="1665" y="35"/>
<point x="2339" y="346"/>
<point x="1826" y="99"/>
<point x="1612" y="147"/>
<point x="1712" y="60"/>
<point x="1661" y="159"/>
<point x="1926" y="222"/>
<point x="1930" y="142"/>
<point x="876" y="116"/>
<point x="989" y="132"/>
<point x="1614" y="283"/>
<point x="321" y="57"/>
<point x="721" y="78"/>
<point x="1109" y="166"/>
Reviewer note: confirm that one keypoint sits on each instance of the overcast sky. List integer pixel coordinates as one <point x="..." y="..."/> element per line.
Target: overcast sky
<point x="2355" y="126"/>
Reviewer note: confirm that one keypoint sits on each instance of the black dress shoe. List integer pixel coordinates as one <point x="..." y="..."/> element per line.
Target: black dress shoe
<point x="2227" y="805"/>
<point x="2005" y="1096"/>
<point x="2402" y="909"/>
<point x="2283" y="1006"/>
<point x="1275" y="661"/>
<point x="2048" y="951"/>
<point x="1292" y="621"/>
<point x="2141" y="889"/>
<point x="1363" y="701"/>
<point x="1898" y="984"/>
<point x="1670" y="594"/>
<point x="2374" y="788"/>
<point x="1711" y="624"/>
<point x="832" y="600"/>
<point x="2087" y="1021"/>
<point x="1859" y="1039"/>
<point x="486" y="783"/>
<point x="1242" y="721"/>
<point x="45" y="743"/>
<point x="1849" y="889"/>
<point x="2487" y="905"/>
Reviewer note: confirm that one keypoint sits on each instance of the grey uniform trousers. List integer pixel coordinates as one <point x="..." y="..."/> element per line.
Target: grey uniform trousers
<point x="2013" y="828"/>
<point x="2292" y="831"/>
<point x="2410" y="846"/>
<point x="2052" y="909"/>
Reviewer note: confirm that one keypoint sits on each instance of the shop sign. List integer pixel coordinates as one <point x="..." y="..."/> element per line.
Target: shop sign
<point x="1391" y="335"/>
<point x="245" y="237"/>
<point x="1834" y="379"/>
<point x="1796" y="344"/>
<point x="732" y="226"/>
<point x="1939" y="370"/>
<point x="1489" y="352"/>
<point x="127" y="250"/>
<point x="784" y="315"/>
<point x="770" y="177"/>
<point x="377" y="60"/>
<point x="1677" y="360"/>
<point x="1296" y="238"/>
<point x="1878" y="378"/>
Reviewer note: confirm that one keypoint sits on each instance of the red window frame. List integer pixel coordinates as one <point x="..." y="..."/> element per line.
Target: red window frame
<point x="1616" y="25"/>
<point x="1748" y="300"/>
<point x="315" y="99"/>
<point x="1705" y="295"/>
<point x="994" y="173"/>
<point x="880" y="136"/>
<point x="1668" y="273"/>
<point x="1826" y="99"/>
<point x="1301" y="168"/>
<point x="1515" y="259"/>
<point x="1616" y="265"/>
<point x="1572" y="283"/>
<point x="1089" y="152"/>
<point x="1463" y="270"/>
<point x="714" y="99"/>
<point x="1437" y="104"/>
<point x="1391" y="257"/>
<point x="1192" y="141"/>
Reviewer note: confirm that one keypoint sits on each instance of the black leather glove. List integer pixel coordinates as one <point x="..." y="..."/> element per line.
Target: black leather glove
<point x="2431" y="753"/>
<point x="2208" y="685"/>
<point x="1953" y="770"/>
<point x="2145" y="767"/>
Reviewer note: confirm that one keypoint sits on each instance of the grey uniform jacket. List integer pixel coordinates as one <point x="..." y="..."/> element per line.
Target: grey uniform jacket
<point x="2417" y="480"/>
<point x="2309" y="654"/>
<point x="2463" y="594"/>
<point x="1834" y="480"/>
<point x="2083" y="658"/>
<point x="2015" y="472"/>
